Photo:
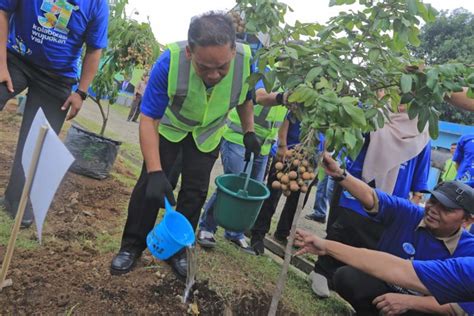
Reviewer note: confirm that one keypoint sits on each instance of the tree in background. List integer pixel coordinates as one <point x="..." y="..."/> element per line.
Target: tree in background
<point x="130" y="45"/>
<point x="450" y="38"/>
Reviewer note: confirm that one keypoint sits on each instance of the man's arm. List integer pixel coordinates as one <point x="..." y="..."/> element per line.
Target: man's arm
<point x="378" y="264"/>
<point x="461" y="100"/>
<point x="245" y="111"/>
<point x="358" y="188"/>
<point x="89" y="69"/>
<point x="4" y="74"/>
<point x="149" y="143"/>
<point x="395" y="304"/>
<point x="264" y="98"/>
<point x="282" y="135"/>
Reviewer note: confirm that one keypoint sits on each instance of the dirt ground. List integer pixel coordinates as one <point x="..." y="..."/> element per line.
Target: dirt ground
<point x="70" y="272"/>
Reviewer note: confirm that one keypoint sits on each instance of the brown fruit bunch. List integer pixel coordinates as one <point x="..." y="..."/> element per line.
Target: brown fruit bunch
<point x="292" y="175"/>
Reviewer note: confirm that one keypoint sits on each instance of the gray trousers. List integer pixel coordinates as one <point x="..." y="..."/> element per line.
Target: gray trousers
<point x="46" y="90"/>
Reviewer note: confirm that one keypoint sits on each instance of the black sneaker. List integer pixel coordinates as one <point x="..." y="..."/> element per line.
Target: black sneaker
<point x="243" y="245"/>
<point x="316" y="218"/>
<point x="206" y="239"/>
<point x="179" y="264"/>
<point x="258" y="246"/>
<point x="124" y="262"/>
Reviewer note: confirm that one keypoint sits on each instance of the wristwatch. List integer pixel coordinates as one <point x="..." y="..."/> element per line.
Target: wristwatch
<point x="82" y="94"/>
<point x="341" y="177"/>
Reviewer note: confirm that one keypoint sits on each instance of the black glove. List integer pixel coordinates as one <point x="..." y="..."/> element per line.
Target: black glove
<point x="158" y="187"/>
<point x="252" y="145"/>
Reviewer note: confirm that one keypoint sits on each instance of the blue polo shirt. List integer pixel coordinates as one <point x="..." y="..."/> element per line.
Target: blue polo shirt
<point x="156" y="98"/>
<point x="402" y="235"/>
<point x="464" y="156"/>
<point x="412" y="177"/>
<point x="50" y="34"/>
<point x="449" y="280"/>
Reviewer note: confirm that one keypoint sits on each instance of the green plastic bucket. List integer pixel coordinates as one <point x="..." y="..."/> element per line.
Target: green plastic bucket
<point x="239" y="200"/>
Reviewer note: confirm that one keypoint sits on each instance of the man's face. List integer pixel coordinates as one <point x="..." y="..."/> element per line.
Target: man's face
<point x="452" y="149"/>
<point x="443" y="221"/>
<point x="211" y="63"/>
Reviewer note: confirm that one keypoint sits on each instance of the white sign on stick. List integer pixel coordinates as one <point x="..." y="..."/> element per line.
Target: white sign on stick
<point x="53" y="163"/>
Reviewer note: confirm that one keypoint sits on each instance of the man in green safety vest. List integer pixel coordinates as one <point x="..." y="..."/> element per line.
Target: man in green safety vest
<point x="192" y="88"/>
<point x="268" y="117"/>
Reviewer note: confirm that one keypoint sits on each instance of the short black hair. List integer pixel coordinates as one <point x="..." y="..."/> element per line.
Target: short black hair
<point x="211" y="28"/>
<point x="454" y="144"/>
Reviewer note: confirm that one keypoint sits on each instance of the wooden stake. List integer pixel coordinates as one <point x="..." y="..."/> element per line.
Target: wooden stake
<point x="288" y="253"/>
<point x="22" y="206"/>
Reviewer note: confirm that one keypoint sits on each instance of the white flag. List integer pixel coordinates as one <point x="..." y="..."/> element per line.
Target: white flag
<point x="54" y="161"/>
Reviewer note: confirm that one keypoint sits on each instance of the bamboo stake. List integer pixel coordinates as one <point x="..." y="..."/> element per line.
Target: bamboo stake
<point x="21" y="207"/>
<point x="288" y="253"/>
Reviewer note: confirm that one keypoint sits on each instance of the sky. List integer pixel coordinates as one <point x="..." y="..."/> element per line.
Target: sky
<point x="170" y="21"/>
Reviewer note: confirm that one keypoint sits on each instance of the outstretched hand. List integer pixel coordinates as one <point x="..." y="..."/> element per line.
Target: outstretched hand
<point x="309" y="243"/>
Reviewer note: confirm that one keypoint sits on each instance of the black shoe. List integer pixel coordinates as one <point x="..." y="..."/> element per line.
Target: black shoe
<point x="243" y="245"/>
<point x="280" y="238"/>
<point x="316" y="218"/>
<point x="179" y="263"/>
<point x="124" y="262"/>
<point x="28" y="216"/>
<point x="257" y="245"/>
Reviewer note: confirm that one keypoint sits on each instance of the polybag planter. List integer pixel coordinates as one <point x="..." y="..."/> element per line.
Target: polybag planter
<point x="95" y="155"/>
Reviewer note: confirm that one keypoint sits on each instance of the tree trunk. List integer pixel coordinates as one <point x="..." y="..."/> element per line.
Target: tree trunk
<point x="105" y="117"/>
<point x="288" y="253"/>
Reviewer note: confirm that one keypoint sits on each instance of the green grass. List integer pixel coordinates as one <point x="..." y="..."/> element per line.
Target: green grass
<point x="262" y="272"/>
<point x="120" y="109"/>
<point x="26" y="238"/>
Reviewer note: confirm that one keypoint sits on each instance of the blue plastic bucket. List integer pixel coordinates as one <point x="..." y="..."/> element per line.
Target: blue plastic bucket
<point x="170" y="235"/>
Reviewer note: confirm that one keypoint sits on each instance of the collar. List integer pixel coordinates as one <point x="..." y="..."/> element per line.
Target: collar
<point x="450" y="242"/>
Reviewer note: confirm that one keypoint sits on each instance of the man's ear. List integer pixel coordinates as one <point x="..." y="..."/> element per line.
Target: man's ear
<point x="188" y="52"/>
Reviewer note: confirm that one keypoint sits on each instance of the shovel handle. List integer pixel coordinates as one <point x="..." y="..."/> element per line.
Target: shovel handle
<point x="248" y="165"/>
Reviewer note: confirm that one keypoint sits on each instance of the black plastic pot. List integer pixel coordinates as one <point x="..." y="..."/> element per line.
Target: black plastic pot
<point x="95" y="155"/>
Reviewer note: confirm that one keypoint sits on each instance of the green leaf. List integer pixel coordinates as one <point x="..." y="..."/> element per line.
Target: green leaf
<point x="413" y="36"/>
<point x="412" y="6"/>
<point x="470" y="79"/>
<point x="374" y="54"/>
<point x="470" y="93"/>
<point x="349" y="139"/>
<point x="432" y="78"/>
<point x="292" y="53"/>
<point x="313" y="73"/>
<point x="433" y="127"/>
<point x="406" y="82"/>
<point x="356" y="113"/>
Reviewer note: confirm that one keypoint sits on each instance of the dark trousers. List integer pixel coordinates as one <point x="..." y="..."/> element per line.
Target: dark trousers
<point x="263" y="222"/>
<point x="352" y="229"/>
<point x="360" y="289"/>
<point x="135" y="108"/>
<point x="46" y="90"/>
<point x="195" y="176"/>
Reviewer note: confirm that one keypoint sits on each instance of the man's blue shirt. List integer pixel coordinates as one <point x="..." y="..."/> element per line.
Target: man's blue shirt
<point x="449" y="280"/>
<point x="412" y="176"/>
<point x="156" y="97"/>
<point x="464" y="156"/>
<point x="401" y="218"/>
<point x="50" y="34"/>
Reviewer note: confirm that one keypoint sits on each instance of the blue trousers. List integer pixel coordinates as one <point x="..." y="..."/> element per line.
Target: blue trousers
<point x="323" y="196"/>
<point x="232" y="156"/>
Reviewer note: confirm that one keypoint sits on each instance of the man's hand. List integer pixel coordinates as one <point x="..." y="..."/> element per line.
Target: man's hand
<point x="74" y="101"/>
<point x="252" y="145"/>
<point x="5" y="78"/>
<point x="331" y="166"/>
<point x="309" y="243"/>
<point x="393" y="303"/>
<point x="281" y="152"/>
<point x="158" y="187"/>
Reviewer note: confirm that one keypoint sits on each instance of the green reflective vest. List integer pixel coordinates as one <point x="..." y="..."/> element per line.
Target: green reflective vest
<point x="194" y="109"/>
<point x="267" y="121"/>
